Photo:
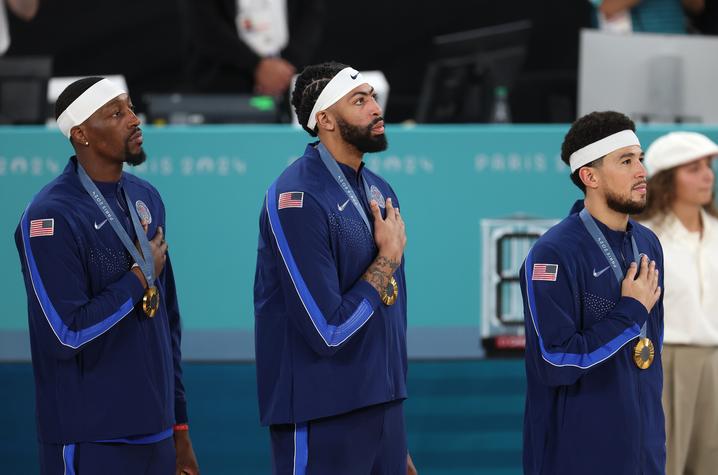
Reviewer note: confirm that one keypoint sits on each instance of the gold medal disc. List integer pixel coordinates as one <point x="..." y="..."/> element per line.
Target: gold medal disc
<point x="151" y="301"/>
<point x="390" y="293"/>
<point x="643" y="353"/>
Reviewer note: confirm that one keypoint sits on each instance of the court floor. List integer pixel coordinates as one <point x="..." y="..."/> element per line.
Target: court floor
<point x="463" y="418"/>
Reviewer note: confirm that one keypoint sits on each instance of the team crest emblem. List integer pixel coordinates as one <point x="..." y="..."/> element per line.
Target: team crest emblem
<point x="377" y="196"/>
<point x="143" y="212"/>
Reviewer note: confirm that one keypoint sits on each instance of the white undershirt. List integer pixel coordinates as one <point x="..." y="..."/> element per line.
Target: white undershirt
<point x="262" y="25"/>
<point x="690" y="300"/>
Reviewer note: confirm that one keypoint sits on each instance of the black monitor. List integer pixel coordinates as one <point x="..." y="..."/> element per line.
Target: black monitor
<point x="210" y="109"/>
<point x="23" y="89"/>
<point x="467" y="69"/>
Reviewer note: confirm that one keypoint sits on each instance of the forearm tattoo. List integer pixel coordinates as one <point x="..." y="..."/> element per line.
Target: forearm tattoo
<point x="379" y="273"/>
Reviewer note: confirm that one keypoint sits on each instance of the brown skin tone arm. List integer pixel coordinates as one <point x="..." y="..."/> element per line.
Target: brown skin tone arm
<point x="273" y="76"/>
<point x="410" y="468"/>
<point x="158" y="246"/>
<point x="24" y="9"/>
<point x="695" y="7"/>
<point x="390" y="238"/>
<point x="380" y="272"/>
<point x="612" y="7"/>
<point x="186" y="460"/>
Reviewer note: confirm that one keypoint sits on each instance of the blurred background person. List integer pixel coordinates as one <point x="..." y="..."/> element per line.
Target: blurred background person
<point x="252" y="45"/>
<point x="23" y="9"/>
<point x="704" y="17"/>
<point x="682" y="212"/>
<point x="648" y="16"/>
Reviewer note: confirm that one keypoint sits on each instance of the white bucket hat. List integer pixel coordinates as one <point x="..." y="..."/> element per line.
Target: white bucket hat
<point x="678" y="148"/>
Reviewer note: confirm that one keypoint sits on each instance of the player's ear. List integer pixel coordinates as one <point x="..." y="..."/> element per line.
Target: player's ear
<point x="326" y="121"/>
<point x="589" y="177"/>
<point x="78" y="137"/>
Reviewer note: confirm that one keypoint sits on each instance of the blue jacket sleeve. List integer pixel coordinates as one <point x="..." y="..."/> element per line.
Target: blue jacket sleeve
<point x="326" y="315"/>
<point x="173" y="315"/>
<point x="658" y="308"/>
<point x="63" y="313"/>
<point x="559" y="350"/>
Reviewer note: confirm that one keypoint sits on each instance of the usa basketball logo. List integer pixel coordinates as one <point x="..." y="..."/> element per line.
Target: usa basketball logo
<point x="377" y="196"/>
<point x="143" y="212"/>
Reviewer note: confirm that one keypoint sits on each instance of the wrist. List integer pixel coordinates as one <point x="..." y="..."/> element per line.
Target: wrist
<point x="135" y="269"/>
<point x="181" y="427"/>
<point x="394" y="255"/>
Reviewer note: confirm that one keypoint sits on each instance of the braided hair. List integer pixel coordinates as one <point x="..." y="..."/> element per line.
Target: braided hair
<point x="310" y="83"/>
<point x="588" y="129"/>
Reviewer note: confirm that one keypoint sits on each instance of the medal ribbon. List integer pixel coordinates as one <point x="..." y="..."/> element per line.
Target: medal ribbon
<point x="146" y="265"/>
<point x="602" y="243"/>
<point x="341" y="179"/>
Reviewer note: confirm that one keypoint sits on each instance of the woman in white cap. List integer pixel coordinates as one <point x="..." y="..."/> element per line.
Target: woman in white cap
<point x="682" y="212"/>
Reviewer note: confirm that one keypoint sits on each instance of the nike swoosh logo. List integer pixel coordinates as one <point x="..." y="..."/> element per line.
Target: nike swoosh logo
<point x="354" y="76"/>
<point x="596" y="274"/>
<point x="98" y="226"/>
<point x="341" y="207"/>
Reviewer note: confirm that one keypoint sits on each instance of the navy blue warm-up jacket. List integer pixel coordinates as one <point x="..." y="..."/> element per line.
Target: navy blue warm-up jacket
<point x="325" y="343"/>
<point x="589" y="408"/>
<point x="103" y="369"/>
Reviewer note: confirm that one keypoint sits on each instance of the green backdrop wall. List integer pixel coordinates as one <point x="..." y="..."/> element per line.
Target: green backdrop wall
<point x="213" y="181"/>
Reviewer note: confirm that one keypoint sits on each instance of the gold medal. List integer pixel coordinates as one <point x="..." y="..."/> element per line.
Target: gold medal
<point x="390" y="293"/>
<point x="643" y="353"/>
<point x="151" y="301"/>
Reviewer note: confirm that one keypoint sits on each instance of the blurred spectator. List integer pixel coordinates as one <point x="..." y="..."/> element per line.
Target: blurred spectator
<point x="682" y="212"/>
<point x="648" y="16"/>
<point x="252" y="45"/>
<point x="23" y="9"/>
<point x="704" y="17"/>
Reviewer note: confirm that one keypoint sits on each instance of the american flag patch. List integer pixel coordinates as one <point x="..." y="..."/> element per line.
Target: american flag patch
<point x="545" y="272"/>
<point x="42" y="227"/>
<point x="291" y="199"/>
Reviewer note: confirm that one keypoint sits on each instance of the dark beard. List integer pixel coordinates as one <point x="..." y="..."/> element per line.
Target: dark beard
<point x="134" y="159"/>
<point x="361" y="137"/>
<point x="620" y="205"/>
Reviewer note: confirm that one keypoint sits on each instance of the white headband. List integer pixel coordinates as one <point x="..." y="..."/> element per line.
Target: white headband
<point x="96" y="96"/>
<point x="346" y="80"/>
<point x="598" y="149"/>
